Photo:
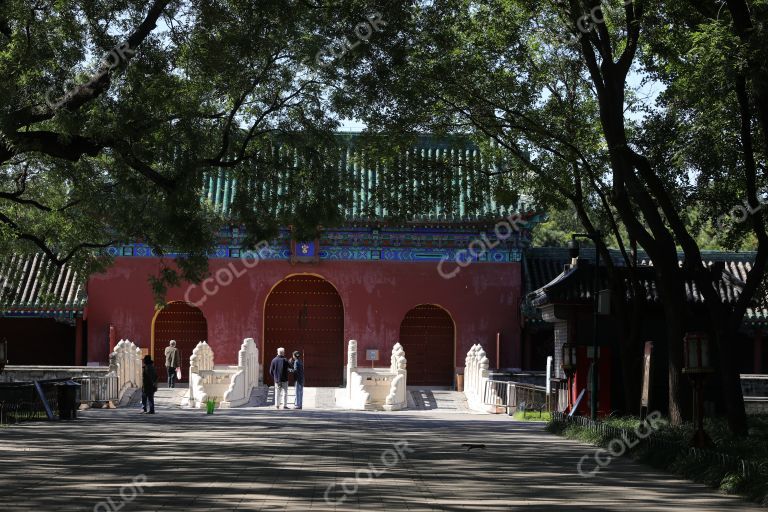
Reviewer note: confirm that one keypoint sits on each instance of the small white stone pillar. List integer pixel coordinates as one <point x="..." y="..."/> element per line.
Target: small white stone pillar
<point x="351" y="366"/>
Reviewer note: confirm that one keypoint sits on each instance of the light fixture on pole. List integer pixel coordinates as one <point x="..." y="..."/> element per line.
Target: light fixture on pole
<point x="569" y="358"/>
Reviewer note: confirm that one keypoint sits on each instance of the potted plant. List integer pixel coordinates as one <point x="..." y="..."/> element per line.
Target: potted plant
<point x="210" y="405"/>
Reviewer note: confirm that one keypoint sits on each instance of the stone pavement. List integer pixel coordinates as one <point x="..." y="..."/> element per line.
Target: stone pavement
<point x="263" y="459"/>
<point x="170" y="398"/>
<point x="314" y="398"/>
<point x="438" y="399"/>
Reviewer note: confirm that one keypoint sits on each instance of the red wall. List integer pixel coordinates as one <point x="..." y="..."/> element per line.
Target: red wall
<point x="482" y="299"/>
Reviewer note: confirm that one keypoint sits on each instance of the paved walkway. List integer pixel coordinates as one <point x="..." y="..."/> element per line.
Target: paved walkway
<point x="263" y="459"/>
<point x="438" y="399"/>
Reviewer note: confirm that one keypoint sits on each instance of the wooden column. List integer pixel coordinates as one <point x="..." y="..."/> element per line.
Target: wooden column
<point x="79" y="342"/>
<point x="112" y="338"/>
<point x="758" y="354"/>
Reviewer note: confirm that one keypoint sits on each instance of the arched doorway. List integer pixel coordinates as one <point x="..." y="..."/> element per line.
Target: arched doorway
<point x="305" y="313"/>
<point x="181" y="322"/>
<point x="427" y="336"/>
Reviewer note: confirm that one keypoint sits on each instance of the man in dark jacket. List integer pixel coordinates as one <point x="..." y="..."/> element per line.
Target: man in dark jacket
<point x="297" y="368"/>
<point x="279" y="372"/>
<point x="172" y="361"/>
<point x="148" y="385"/>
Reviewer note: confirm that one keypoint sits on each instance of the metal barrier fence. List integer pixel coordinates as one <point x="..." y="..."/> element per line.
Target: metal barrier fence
<point x="98" y="389"/>
<point x="21" y="401"/>
<point x="515" y="396"/>
<point x="495" y="393"/>
<point x="654" y="442"/>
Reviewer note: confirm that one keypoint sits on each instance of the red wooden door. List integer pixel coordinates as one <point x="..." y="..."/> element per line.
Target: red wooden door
<point x="426" y="334"/>
<point x="305" y="313"/>
<point x="185" y="324"/>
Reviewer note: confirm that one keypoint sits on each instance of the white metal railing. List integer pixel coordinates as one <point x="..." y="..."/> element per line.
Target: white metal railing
<point x="516" y="395"/>
<point x="495" y="393"/>
<point x="99" y="389"/>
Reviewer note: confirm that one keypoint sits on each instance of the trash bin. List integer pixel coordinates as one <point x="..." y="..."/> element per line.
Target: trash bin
<point x="66" y="394"/>
<point x="460" y="380"/>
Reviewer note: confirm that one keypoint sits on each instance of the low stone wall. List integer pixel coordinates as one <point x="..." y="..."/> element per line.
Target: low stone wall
<point x="754" y="385"/>
<point x="26" y="373"/>
<point x="755" y="405"/>
<point x="755" y="389"/>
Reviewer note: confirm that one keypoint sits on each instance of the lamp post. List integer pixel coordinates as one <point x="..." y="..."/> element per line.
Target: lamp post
<point x="697" y="366"/>
<point x="568" y="364"/>
<point x="573" y="247"/>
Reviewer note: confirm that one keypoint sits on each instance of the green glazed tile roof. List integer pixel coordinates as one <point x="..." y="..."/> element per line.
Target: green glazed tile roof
<point x="453" y="164"/>
<point x="33" y="286"/>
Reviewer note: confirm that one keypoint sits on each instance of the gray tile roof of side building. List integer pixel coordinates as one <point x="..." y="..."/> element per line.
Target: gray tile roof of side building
<point x="547" y="279"/>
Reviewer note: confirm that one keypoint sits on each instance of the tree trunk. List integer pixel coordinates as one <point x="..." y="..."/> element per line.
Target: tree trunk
<point x="631" y="362"/>
<point x="729" y="376"/>
<point x="676" y="314"/>
<point x="629" y="316"/>
<point x="675" y="372"/>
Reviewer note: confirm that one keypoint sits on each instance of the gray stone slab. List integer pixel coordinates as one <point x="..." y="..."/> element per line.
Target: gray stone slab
<point x="263" y="459"/>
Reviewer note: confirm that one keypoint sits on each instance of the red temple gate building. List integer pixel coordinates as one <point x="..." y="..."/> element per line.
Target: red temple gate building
<point x="438" y="281"/>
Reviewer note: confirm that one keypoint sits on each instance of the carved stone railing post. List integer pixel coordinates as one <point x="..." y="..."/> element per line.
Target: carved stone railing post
<point x="476" y="372"/>
<point x="398" y="397"/>
<point x="125" y="362"/>
<point x="245" y="377"/>
<point x="351" y="366"/>
<point x="201" y="361"/>
<point x="352" y="354"/>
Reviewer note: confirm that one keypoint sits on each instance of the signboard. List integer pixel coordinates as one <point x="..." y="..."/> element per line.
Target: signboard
<point x="305" y="252"/>
<point x="372" y="355"/>
<point x="646" y="390"/>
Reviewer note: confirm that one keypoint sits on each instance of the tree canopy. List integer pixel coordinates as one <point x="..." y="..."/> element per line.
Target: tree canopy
<point x="556" y="88"/>
<point x="113" y="113"/>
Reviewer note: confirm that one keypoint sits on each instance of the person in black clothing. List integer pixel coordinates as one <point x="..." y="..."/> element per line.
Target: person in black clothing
<point x="297" y="368"/>
<point x="148" y="386"/>
<point x="278" y="369"/>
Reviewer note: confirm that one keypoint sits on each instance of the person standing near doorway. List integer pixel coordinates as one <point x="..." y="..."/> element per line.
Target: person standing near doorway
<point x="278" y="369"/>
<point x="297" y="368"/>
<point x="148" y="386"/>
<point x="172" y="361"/>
